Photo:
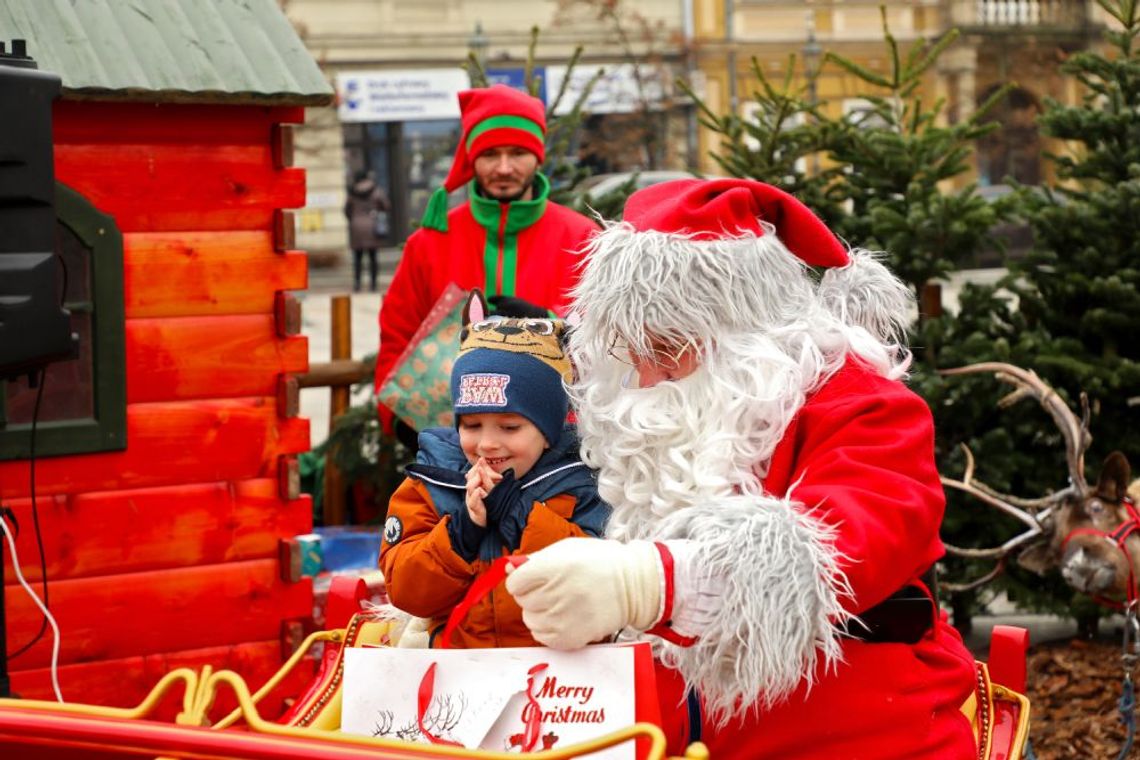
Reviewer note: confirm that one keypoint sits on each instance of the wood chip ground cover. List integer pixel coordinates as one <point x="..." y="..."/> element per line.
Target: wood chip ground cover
<point x="1074" y="687"/>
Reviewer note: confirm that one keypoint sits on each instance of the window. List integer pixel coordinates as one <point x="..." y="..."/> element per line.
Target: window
<point x="863" y="114"/>
<point x="83" y="408"/>
<point x="409" y="160"/>
<point x="1014" y="150"/>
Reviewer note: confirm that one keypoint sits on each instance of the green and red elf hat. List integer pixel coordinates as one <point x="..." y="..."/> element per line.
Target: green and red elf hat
<point x="491" y="118"/>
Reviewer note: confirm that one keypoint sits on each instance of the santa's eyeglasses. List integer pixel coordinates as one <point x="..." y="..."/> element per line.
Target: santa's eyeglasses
<point x="661" y="354"/>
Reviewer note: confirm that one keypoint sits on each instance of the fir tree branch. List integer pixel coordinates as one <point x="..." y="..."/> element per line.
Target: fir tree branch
<point x="854" y="68"/>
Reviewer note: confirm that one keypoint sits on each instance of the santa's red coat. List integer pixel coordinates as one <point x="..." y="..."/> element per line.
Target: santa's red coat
<point x="860" y="452"/>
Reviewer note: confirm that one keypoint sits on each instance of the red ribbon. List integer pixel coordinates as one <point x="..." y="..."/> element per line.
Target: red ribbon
<point x="427" y="688"/>
<point x="479" y="589"/>
<point x="532" y="713"/>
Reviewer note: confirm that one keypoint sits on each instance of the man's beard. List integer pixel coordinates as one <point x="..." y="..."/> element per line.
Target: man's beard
<point x="683" y="442"/>
<point x="508" y="198"/>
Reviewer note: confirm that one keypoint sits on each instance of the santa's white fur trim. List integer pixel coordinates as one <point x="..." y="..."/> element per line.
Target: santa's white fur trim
<point x="782" y="590"/>
<point x="865" y="294"/>
<point x="642" y="285"/>
<point x="682" y="289"/>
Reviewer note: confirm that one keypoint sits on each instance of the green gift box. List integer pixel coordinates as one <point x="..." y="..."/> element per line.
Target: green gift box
<point x="418" y="389"/>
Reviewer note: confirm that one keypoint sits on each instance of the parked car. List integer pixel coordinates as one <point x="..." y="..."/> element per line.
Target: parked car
<point x="601" y="184"/>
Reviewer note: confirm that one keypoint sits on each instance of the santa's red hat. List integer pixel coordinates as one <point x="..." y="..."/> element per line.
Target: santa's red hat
<point x="491" y="117"/>
<point x="733" y="208"/>
<point x="693" y="257"/>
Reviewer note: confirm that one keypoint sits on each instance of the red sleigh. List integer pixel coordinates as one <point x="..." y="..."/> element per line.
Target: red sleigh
<point x="32" y="730"/>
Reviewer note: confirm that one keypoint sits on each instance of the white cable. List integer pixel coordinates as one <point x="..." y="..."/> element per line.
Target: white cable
<point x="47" y="615"/>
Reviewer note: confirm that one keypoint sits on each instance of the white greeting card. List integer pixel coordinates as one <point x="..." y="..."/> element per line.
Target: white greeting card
<point x="480" y="696"/>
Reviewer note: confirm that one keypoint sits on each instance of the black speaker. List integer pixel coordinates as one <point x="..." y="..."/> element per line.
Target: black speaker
<point x="35" y="330"/>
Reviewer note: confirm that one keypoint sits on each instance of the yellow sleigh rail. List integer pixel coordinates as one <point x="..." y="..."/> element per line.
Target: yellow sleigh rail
<point x="201" y="689"/>
<point x="310" y="729"/>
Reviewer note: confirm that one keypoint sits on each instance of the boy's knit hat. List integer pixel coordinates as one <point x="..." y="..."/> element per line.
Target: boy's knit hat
<point x="513" y="365"/>
<point x="491" y="117"/>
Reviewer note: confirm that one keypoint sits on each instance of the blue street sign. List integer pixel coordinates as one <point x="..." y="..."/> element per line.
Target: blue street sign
<point x="513" y="77"/>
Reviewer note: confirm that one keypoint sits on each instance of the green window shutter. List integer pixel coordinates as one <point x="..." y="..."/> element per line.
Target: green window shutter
<point x="84" y="403"/>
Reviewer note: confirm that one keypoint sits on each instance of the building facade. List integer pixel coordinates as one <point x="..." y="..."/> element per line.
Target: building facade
<point x="398" y="65"/>
<point x="1021" y="41"/>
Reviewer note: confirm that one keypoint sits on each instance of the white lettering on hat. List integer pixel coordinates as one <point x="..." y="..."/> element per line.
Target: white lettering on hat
<point x="483" y="389"/>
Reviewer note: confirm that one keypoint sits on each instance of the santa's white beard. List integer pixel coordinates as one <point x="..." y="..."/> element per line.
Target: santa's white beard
<point x="685" y="460"/>
<point x="684" y="442"/>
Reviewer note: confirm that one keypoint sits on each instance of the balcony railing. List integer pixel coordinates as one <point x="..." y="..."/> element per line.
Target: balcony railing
<point x="1056" y="14"/>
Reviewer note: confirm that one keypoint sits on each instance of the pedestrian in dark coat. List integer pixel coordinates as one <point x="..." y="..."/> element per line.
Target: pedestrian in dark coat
<point x="367" y="210"/>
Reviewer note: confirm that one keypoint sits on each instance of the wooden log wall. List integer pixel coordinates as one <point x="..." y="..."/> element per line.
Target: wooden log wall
<point x="165" y="554"/>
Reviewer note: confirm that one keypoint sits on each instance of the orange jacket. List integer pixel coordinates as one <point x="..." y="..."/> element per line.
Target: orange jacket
<point x="432" y="552"/>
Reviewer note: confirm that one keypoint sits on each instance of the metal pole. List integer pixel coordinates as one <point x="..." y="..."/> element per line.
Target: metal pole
<point x="812" y="51"/>
<point x="730" y="39"/>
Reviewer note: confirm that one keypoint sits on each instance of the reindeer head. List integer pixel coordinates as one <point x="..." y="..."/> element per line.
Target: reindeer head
<point x="1093" y="538"/>
<point x="1091" y="534"/>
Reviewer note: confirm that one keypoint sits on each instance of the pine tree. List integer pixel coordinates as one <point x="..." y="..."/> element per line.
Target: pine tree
<point x="1077" y="302"/>
<point x="903" y="162"/>
<point x="1079" y="285"/>
<point x="779" y="143"/>
<point x="1016" y="449"/>
<point x="900" y="156"/>
<point x="881" y="184"/>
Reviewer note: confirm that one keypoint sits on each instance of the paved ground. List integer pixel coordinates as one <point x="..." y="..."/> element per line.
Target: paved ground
<point x="1042" y="628"/>
<point x="316" y="323"/>
<point x="338" y="278"/>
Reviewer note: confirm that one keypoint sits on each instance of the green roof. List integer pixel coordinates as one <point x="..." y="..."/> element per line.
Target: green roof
<point x="185" y="51"/>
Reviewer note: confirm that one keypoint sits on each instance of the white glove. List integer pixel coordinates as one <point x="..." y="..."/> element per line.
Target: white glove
<point x="416" y="634"/>
<point x="580" y="590"/>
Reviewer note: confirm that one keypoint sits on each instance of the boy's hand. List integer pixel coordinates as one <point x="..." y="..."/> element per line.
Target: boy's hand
<point x="480" y="480"/>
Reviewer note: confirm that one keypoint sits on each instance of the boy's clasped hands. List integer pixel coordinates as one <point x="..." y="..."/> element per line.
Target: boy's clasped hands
<point x="491" y="495"/>
<point x="481" y="478"/>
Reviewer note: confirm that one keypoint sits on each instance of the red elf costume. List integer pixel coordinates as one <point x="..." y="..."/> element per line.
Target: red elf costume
<point x="526" y="249"/>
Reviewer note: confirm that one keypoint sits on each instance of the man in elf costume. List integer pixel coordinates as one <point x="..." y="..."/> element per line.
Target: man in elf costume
<point x="508" y="239"/>
<point x="775" y="500"/>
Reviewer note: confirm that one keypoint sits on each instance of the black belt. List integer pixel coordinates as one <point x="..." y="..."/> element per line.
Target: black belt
<point x="904" y="617"/>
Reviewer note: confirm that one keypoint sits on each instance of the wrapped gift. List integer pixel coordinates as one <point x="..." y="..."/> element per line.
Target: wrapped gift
<point x="418" y="389"/>
<point x="512" y="699"/>
<point x="521" y="699"/>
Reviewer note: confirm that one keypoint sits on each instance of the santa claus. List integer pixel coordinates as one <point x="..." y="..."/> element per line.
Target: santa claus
<point x="775" y="499"/>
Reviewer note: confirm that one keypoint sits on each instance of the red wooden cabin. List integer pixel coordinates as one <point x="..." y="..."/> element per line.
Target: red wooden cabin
<point x="165" y="471"/>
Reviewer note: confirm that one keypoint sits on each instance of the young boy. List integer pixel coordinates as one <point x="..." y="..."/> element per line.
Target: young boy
<point x="506" y="480"/>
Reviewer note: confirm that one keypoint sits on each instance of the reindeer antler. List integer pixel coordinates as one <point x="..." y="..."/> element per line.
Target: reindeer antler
<point x="1037" y="514"/>
<point x="987" y="495"/>
<point x="1027" y="383"/>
